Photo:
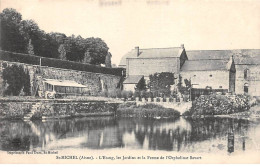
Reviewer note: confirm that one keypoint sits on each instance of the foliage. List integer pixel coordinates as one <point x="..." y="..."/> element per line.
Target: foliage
<point x="147" y="110"/>
<point x="184" y="89"/>
<point x="219" y="105"/>
<point x="160" y="83"/>
<point x="141" y="85"/>
<point x="62" y="52"/>
<point x="11" y="38"/>
<point x="30" y="49"/>
<point x="16" y="79"/>
<point x="25" y="36"/>
<point x="137" y="93"/>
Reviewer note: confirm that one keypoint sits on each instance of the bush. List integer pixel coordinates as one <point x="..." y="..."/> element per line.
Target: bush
<point x="147" y="110"/>
<point x="219" y="105"/>
<point x="143" y="94"/>
<point x="137" y="94"/>
<point x="130" y="94"/>
<point x="124" y="94"/>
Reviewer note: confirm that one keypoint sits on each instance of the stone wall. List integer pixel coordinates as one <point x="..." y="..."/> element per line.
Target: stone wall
<point x="17" y="110"/>
<point x="96" y="82"/>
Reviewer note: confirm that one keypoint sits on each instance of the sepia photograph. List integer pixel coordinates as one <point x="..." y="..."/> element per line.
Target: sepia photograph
<point x="129" y="81"/>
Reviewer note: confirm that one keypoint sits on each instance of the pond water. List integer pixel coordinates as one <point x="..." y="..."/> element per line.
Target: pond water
<point x="209" y="135"/>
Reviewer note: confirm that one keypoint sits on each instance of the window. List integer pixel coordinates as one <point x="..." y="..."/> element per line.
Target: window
<point x="246" y="88"/>
<point x="220" y="86"/>
<point x="246" y="72"/>
<point x="210" y="75"/>
<point x="194" y="75"/>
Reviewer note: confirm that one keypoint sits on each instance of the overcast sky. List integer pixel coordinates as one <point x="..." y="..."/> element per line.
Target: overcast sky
<point x="198" y="24"/>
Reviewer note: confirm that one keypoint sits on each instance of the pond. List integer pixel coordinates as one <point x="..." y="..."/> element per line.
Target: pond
<point x="208" y="135"/>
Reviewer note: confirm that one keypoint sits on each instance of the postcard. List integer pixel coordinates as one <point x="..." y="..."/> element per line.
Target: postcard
<point x="130" y="82"/>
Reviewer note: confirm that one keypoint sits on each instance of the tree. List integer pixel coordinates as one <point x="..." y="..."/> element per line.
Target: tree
<point x="25" y="36"/>
<point x="87" y="58"/>
<point x="187" y="83"/>
<point x="15" y="78"/>
<point x="97" y="50"/>
<point x="183" y="89"/>
<point x="11" y="38"/>
<point x="160" y="83"/>
<point x="62" y="52"/>
<point x="179" y="85"/>
<point x="30" y="49"/>
<point x="141" y="85"/>
<point x="31" y="32"/>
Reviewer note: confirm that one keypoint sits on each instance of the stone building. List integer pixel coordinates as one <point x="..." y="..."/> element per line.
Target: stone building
<point x="247" y="63"/>
<point x="144" y="62"/>
<point x="148" y="61"/>
<point x="210" y="75"/>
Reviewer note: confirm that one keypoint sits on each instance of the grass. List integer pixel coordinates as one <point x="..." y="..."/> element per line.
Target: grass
<point x="130" y="109"/>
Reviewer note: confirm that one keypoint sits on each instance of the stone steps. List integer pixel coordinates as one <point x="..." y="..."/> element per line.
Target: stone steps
<point x="35" y="108"/>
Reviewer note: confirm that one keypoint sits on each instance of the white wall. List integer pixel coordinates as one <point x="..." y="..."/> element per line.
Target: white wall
<point x="129" y="87"/>
<point x="150" y="66"/>
<point x="203" y="79"/>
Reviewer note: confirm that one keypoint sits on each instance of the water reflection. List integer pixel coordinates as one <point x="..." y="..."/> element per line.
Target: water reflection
<point x="183" y="135"/>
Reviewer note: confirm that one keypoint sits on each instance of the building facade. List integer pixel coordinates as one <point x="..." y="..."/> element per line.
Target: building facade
<point x="210" y="75"/>
<point x="149" y="61"/>
<point x="246" y="63"/>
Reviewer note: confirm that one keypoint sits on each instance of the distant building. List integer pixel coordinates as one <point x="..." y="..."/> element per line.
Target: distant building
<point x="144" y="62"/>
<point x="209" y="62"/>
<point x="132" y="81"/>
<point x="247" y="63"/>
<point x="149" y="61"/>
<point x="210" y="75"/>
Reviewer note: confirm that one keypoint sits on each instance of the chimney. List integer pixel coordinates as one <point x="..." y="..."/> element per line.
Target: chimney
<point x="231" y="59"/>
<point x="137" y="51"/>
<point x="182" y="46"/>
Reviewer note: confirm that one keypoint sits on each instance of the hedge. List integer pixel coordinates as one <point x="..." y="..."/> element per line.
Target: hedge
<point x="130" y="109"/>
<point x="57" y="63"/>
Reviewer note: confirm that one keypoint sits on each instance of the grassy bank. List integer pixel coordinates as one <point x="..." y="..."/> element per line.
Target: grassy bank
<point x="130" y="109"/>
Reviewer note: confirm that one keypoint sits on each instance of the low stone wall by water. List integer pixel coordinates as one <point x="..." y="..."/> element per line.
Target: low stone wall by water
<point x="14" y="110"/>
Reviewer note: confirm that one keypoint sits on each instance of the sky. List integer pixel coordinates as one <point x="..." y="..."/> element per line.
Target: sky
<point x="125" y="24"/>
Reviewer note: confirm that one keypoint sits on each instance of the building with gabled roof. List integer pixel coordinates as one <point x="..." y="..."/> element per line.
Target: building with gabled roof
<point x="149" y="61"/>
<point x="247" y="63"/>
<point x="179" y="61"/>
<point x="145" y="62"/>
<point x="214" y="75"/>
